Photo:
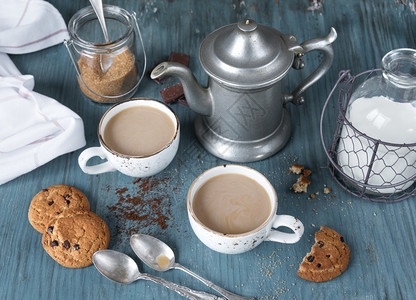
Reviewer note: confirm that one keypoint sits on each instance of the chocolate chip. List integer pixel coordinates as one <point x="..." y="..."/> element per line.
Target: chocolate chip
<point x="67" y="202"/>
<point x="50" y="203"/>
<point x="328" y="255"/>
<point x="50" y="229"/>
<point x="54" y="243"/>
<point x="67" y="196"/>
<point x="342" y="239"/>
<point x="318" y="265"/>
<point x="320" y="244"/>
<point x="76" y="247"/>
<point x="44" y="190"/>
<point x="66" y="244"/>
<point x="310" y="258"/>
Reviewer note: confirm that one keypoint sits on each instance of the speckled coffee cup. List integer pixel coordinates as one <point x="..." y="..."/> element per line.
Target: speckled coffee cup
<point x="135" y="166"/>
<point x="239" y="243"/>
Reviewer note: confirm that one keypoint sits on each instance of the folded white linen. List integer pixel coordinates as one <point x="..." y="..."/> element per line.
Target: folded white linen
<point x="34" y="128"/>
<point x="30" y="25"/>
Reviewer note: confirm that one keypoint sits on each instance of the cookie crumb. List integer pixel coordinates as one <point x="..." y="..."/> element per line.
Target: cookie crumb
<point x="306" y="172"/>
<point x="301" y="185"/>
<point x="296" y="169"/>
<point x="327" y="190"/>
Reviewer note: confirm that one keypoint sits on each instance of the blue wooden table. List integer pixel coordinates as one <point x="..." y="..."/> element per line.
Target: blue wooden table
<point x="382" y="237"/>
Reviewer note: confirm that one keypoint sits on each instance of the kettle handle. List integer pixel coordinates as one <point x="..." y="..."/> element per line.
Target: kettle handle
<point x="322" y="44"/>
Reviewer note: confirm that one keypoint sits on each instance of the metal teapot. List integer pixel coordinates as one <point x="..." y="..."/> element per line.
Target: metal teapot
<point x="241" y="113"/>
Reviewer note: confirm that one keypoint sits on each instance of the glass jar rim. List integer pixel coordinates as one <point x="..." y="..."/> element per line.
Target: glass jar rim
<point x="399" y="66"/>
<point x="88" y="11"/>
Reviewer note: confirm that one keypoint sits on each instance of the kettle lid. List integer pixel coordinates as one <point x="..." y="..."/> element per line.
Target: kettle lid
<point x="247" y="55"/>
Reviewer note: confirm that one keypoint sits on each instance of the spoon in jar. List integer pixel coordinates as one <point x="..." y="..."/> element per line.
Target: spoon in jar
<point x="159" y="256"/>
<point x="105" y="59"/>
<point x="121" y="268"/>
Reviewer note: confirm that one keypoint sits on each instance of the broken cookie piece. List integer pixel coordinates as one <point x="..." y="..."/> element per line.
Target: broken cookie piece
<point x="329" y="257"/>
<point x="301" y="185"/>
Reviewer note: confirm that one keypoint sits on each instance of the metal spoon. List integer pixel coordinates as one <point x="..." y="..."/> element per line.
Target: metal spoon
<point x="121" y="268"/>
<point x="159" y="256"/>
<point x="105" y="59"/>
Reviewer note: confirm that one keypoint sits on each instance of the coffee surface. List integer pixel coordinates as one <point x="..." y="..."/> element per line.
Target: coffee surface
<point x="139" y="131"/>
<point x="231" y="204"/>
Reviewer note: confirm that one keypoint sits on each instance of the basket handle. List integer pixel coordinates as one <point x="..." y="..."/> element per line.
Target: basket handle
<point x="343" y="75"/>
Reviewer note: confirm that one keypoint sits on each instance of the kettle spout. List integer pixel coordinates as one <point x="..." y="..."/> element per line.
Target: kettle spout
<point x="198" y="98"/>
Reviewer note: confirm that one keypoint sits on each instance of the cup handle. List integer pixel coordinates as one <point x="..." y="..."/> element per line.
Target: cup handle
<point x="283" y="237"/>
<point x="87" y="154"/>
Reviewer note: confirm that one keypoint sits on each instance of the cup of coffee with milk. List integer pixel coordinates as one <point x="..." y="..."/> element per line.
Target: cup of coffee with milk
<point x="138" y="137"/>
<point x="232" y="209"/>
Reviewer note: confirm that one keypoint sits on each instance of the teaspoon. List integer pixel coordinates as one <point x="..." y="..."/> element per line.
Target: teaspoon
<point x="105" y="60"/>
<point x="121" y="268"/>
<point x="159" y="256"/>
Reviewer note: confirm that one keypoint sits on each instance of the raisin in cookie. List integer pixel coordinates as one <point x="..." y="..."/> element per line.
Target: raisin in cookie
<point x="52" y="201"/>
<point x="329" y="257"/>
<point x="72" y="237"/>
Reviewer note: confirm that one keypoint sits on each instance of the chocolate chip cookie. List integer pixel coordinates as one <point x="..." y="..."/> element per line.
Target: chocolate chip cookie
<point x="72" y="237"/>
<point x="329" y="257"/>
<point x="52" y="201"/>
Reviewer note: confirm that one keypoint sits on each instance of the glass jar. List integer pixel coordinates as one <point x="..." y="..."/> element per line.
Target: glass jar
<point x="107" y="71"/>
<point x="377" y="145"/>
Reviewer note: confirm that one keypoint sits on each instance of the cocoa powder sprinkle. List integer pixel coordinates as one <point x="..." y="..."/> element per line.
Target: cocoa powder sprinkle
<point x="143" y="208"/>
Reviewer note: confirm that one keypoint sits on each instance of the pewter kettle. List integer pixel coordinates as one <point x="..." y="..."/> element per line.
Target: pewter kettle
<point x="241" y="113"/>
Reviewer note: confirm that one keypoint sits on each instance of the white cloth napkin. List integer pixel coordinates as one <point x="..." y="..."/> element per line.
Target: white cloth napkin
<point x="29" y="25"/>
<point x="34" y="128"/>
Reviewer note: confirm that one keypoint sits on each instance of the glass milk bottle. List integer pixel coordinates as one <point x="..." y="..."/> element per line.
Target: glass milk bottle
<point x="378" y="147"/>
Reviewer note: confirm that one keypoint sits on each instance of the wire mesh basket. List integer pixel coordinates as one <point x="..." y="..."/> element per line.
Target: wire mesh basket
<point x="366" y="167"/>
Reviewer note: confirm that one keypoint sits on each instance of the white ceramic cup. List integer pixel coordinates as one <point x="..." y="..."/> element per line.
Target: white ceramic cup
<point x="239" y="243"/>
<point x="135" y="166"/>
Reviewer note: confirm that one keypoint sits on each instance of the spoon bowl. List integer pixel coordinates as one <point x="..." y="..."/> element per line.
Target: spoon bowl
<point x="116" y="266"/>
<point x="121" y="268"/>
<point x="159" y="256"/>
<point x="153" y="252"/>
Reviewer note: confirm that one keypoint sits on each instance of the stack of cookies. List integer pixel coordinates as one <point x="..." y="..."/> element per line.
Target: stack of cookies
<point x="71" y="232"/>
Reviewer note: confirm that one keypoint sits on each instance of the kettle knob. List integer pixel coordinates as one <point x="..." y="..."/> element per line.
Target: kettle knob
<point x="247" y="25"/>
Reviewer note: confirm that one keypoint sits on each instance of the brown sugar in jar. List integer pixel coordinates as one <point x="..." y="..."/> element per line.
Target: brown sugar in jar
<point x="107" y="70"/>
<point x="119" y="79"/>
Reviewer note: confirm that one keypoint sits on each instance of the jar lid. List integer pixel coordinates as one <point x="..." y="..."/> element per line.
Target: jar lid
<point x="247" y="55"/>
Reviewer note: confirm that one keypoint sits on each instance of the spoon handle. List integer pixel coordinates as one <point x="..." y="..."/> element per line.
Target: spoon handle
<point x="181" y="290"/>
<point x="225" y="293"/>
<point x="97" y="5"/>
